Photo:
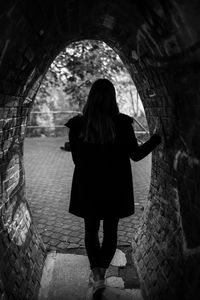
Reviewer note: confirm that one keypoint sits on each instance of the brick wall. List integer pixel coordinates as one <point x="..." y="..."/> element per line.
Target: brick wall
<point x="22" y="251"/>
<point x="166" y="247"/>
<point x="159" y="45"/>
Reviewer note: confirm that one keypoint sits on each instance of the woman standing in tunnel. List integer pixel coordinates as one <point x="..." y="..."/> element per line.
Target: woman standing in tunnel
<point x="102" y="141"/>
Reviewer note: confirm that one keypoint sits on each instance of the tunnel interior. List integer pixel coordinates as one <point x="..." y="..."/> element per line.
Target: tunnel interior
<point x="47" y="160"/>
<point x="159" y="44"/>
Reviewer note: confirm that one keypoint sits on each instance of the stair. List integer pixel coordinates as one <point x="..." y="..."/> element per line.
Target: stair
<point x="65" y="277"/>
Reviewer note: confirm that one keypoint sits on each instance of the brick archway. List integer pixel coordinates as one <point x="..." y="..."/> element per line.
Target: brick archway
<point x="159" y="44"/>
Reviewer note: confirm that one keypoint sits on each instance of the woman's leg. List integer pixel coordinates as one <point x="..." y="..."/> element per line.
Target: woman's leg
<point x="100" y="256"/>
<point x="92" y="244"/>
<point x="109" y="243"/>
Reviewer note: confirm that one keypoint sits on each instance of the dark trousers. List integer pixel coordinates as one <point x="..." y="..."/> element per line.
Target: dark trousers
<point x="100" y="255"/>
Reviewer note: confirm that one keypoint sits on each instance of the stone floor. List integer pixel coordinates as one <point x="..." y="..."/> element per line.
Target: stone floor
<point x="66" y="277"/>
<point x="48" y="171"/>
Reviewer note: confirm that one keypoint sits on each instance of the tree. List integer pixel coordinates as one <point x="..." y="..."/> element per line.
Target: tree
<point x="77" y="66"/>
<point x="69" y="78"/>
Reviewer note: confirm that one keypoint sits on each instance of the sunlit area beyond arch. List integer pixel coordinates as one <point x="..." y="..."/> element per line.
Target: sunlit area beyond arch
<point x="48" y="162"/>
<point x="67" y="83"/>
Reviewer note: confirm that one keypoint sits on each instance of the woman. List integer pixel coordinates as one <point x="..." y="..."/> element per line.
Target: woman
<point x="102" y="141"/>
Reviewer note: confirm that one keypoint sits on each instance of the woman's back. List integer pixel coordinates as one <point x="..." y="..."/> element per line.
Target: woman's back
<point x="102" y="142"/>
<point x="83" y="150"/>
<point x="102" y="171"/>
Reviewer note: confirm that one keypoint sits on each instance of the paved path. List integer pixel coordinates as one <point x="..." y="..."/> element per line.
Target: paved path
<point x="48" y="181"/>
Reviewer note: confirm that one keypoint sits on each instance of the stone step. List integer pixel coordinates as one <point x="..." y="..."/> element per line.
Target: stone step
<point x="66" y="277"/>
<point x="115" y="294"/>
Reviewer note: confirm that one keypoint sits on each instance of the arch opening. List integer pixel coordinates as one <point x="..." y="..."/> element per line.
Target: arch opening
<point x="48" y="170"/>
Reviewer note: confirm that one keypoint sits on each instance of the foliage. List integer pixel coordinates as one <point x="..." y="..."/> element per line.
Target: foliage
<point x="69" y="78"/>
<point x="72" y="72"/>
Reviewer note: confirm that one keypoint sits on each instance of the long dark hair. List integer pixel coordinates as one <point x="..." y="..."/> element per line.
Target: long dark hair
<point x="99" y="113"/>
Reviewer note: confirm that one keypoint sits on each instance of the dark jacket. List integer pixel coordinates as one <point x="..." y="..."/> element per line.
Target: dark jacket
<point x="102" y="183"/>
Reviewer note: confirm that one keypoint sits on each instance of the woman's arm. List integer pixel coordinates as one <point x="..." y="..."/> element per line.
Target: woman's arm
<point x="74" y="146"/>
<point x="137" y="152"/>
<point x="73" y="124"/>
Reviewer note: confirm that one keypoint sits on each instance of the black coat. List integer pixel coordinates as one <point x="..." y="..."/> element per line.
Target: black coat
<point x="102" y="183"/>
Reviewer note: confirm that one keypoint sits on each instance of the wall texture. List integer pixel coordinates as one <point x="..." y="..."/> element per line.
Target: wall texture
<point x="159" y="43"/>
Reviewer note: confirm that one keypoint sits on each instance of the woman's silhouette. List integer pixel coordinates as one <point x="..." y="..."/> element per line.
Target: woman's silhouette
<point x="102" y="141"/>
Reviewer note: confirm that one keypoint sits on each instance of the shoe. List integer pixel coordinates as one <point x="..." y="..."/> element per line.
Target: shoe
<point x="95" y="293"/>
<point x="91" y="279"/>
<point x="98" y="285"/>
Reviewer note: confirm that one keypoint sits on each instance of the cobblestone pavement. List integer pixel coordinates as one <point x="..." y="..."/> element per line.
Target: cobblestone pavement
<point x="49" y="172"/>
